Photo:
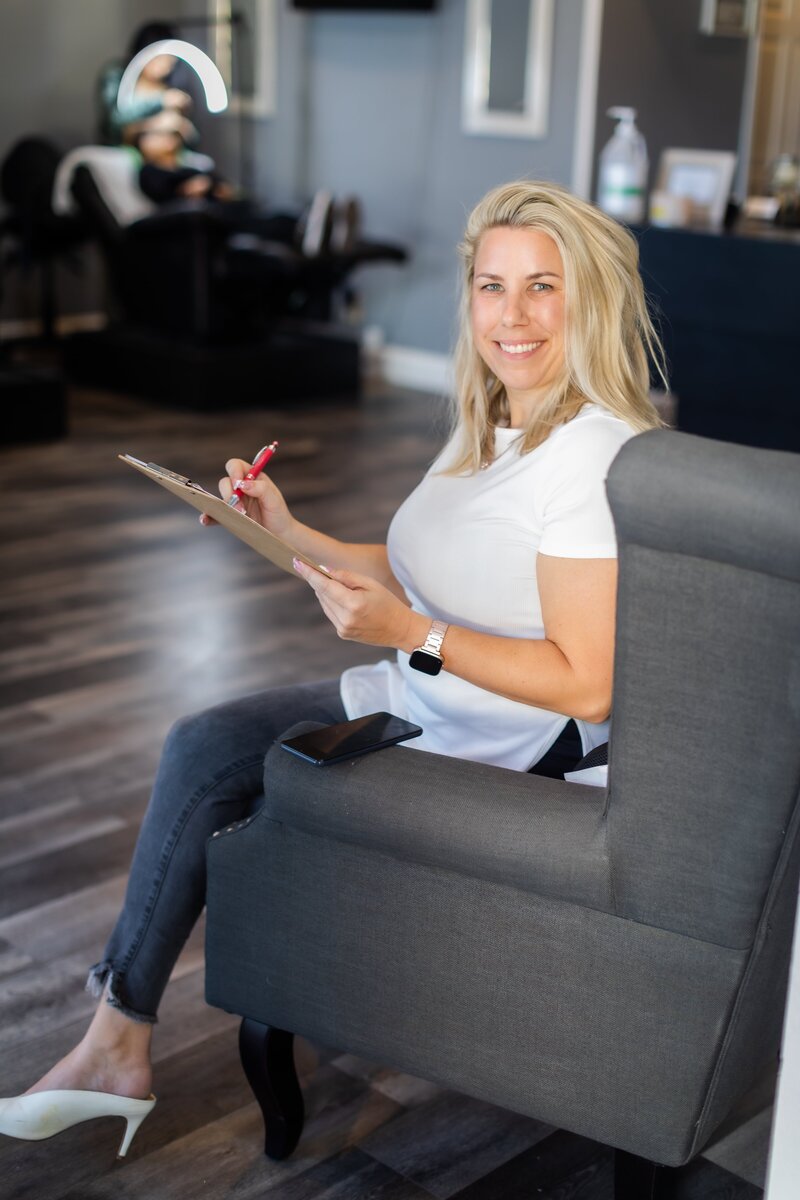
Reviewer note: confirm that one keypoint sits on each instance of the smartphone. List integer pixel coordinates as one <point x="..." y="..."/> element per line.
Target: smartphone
<point x="349" y="739"/>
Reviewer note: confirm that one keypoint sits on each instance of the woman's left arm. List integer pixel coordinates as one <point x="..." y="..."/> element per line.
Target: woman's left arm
<point x="568" y="671"/>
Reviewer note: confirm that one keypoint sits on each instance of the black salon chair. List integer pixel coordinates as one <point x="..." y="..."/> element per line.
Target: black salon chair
<point x="211" y="299"/>
<point x="208" y="270"/>
<point x="33" y="237"/>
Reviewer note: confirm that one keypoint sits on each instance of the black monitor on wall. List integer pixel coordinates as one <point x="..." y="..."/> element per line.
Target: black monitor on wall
<point x="366" y="5"/>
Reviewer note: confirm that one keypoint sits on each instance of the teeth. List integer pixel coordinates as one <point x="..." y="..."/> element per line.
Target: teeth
<point x="519" y="347"/>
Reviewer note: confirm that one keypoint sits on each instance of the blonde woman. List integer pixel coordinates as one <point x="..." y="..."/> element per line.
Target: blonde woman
<point x="496" y="587"/>
<point x="508" y="540"/>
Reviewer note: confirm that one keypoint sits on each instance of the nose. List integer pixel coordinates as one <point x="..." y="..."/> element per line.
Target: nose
<point x="514" y="312"/>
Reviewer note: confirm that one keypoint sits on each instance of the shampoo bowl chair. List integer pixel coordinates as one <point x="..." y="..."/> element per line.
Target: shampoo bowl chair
<point x="611" y="962"/>
<point x="201" y="270"/>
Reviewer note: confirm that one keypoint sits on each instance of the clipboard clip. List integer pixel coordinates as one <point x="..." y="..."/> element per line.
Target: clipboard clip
<point x="164" y="472"/>
<point x="167" y="474"/>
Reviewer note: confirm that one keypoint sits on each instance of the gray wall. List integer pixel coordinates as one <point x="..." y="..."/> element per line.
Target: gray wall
<point x="686" y="87"/>
<point x="370" y="104"/>
<point x="50" y="54"/>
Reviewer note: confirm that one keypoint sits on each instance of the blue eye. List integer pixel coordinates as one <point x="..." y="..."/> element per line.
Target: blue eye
<point x="490" y="287"/>
<point x="538" y="286"/>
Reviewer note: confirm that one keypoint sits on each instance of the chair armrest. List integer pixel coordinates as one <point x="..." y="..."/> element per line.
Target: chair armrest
<point x="542" y="835"/>
<point x="181" y="217"/>
<point x="369" y="252"/>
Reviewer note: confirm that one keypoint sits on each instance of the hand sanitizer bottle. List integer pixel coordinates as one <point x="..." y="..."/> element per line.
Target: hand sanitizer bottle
<point x="623" y="170"/>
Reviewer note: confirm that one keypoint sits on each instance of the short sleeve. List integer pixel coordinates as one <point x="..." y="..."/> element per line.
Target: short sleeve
<point x="576" y="518"/>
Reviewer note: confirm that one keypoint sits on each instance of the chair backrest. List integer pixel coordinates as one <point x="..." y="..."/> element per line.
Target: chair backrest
<point x="115" y="172"/>
<point x="27" y="174"/>
<point x="705" y="746"/>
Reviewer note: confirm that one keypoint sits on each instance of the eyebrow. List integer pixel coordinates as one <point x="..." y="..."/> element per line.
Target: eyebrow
<point x="536" y="275"/>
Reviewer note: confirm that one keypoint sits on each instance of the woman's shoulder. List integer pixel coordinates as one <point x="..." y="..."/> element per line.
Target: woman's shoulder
<point x="592" y="431"/>
<point x="579" y="453"/>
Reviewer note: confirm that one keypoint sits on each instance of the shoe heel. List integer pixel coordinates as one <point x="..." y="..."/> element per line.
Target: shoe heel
<point x="131" y="1126"/>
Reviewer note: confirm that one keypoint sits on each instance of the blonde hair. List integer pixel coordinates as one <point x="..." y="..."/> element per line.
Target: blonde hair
<point x="608" y="331"/>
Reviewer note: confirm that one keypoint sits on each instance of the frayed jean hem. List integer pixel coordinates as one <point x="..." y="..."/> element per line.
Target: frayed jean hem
<point x="104" y="979"/>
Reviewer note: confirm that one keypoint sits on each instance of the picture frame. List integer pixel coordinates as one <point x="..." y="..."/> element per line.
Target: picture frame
<point x="729" y="18"/>
<point x="702" y="179"/>
<point x="243" y="45"/>
<point x="512" y="101"/>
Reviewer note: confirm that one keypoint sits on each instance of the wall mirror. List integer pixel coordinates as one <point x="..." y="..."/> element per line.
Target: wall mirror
<point x="507" y="54"/>
<point x="242" y="43"/>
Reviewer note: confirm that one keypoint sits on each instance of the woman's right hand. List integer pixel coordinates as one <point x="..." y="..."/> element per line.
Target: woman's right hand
<point x="262" y="500"/>
<point x="176" y="99"/>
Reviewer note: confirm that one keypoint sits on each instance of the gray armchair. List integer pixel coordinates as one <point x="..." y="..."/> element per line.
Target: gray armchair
<point x="613" y="963"/>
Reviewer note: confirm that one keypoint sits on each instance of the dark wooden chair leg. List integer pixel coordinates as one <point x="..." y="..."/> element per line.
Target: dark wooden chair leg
<point x="268" y="1062"/>
<point x="639" y="1179"/>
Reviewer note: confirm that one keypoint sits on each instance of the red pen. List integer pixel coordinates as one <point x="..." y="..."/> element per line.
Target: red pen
<point x="261" y="460"/>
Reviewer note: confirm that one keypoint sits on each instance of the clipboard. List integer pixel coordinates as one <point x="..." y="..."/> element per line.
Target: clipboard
<point x="244" y="528"/>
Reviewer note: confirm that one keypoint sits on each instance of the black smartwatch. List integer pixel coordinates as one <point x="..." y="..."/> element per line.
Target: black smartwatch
<point x="428" y="656"/>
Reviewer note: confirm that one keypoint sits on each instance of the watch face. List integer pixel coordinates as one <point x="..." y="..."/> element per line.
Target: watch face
<point x="420" y="660"/>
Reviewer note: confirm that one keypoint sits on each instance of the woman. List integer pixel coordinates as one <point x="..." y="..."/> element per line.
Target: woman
<point x="156" y="104"/>
<point x="500" y="567"/>
<point x="166" y="176"/>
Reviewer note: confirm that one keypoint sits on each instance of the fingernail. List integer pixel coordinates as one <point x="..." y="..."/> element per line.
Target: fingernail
<point x="244" y="483"/>
<point x="296" y="564"/>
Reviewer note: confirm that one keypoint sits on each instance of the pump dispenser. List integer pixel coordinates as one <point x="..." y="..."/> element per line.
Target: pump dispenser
<point x="623" y="169"/>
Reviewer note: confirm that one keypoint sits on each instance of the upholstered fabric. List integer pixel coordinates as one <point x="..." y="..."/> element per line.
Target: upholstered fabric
<point x="613" y="962"/>
<point x="704" y="754"/>
<point x="432" y="809"/>
<point x="549" y="1008"/>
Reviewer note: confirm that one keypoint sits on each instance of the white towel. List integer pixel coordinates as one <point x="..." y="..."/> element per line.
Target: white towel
<point x="115" y="170"/>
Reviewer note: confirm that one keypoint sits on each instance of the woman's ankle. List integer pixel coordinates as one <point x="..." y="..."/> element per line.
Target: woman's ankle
<point x="95" y="1072"/>
<point x="113" y="1056"/>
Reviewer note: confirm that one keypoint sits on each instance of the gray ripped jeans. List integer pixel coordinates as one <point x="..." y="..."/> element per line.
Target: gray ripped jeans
<point x="210" y="774"/>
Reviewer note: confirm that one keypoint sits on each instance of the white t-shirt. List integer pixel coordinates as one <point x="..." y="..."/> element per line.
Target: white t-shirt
<point x="464" y="548"/>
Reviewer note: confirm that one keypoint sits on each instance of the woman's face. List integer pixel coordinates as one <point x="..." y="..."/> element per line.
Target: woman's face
<point x="156" y="144"/>
<point x="517" y="310"/>
<point x="159" y="68"/>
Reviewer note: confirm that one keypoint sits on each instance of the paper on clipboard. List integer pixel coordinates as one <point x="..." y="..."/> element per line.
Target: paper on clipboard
<point x="242" y="527"/>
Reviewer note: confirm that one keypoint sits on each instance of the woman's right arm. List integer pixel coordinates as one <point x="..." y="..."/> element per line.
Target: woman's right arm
<point x="264" y="502"/>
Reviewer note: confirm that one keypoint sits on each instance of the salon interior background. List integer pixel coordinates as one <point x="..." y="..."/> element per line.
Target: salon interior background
<point x="370" y="104"/>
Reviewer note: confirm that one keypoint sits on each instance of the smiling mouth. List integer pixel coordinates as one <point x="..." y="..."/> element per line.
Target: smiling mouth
<point x="519" y="347"/>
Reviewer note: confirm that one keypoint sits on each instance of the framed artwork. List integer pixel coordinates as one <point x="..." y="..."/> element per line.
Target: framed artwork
<point x="506" y="73"/>
<point x="701" y="178"/>
<point x="243" y="44"/>
<point x="729" y="18"/>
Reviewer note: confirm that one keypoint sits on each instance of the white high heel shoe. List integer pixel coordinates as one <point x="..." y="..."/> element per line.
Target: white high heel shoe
<point x="38" y="1115"/>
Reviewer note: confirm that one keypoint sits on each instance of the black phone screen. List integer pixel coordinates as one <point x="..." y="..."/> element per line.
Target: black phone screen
<point x="348" y="739"/>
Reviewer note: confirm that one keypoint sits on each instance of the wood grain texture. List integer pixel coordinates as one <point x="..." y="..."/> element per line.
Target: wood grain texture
<point x="119" y="613"/>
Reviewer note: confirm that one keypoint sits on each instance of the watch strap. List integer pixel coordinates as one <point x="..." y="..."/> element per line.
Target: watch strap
<point x="433" y="642"/>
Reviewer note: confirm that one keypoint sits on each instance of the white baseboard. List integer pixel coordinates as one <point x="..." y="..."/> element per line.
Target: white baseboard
<point x="421" y="370"/>
<point x="70" y="323"/>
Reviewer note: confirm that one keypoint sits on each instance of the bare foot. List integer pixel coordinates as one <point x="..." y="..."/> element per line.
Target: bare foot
<point x="114" y="1056"/>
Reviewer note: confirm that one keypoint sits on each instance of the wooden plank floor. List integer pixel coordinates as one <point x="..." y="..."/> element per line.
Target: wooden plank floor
<point x="118" y="613"/>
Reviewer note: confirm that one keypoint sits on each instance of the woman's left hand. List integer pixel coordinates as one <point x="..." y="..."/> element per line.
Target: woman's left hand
<point x="359" y="608"/>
